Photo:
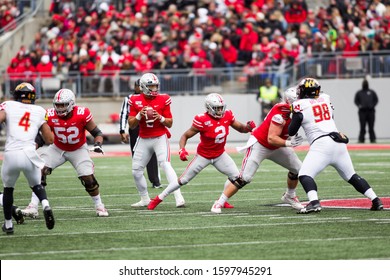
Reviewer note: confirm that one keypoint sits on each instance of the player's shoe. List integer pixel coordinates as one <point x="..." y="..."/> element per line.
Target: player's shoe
<point x="216" y="209"/>
<point x="227" y="205"/>
<point x="376" y="205"/>
<point x="313" y="207"/>
<point x="141" y="203"/>
<point x="154" y="202"/>
<point x="49" y="217"/>
<point x="7" y="231"/>
<point x="18" y="215"/>
<point x="293" y="201"/>
<point x="157" y="186"/>
<point x="101" y="211"/>
<point x="31" y="211"/>
<point x="180" y="202"/>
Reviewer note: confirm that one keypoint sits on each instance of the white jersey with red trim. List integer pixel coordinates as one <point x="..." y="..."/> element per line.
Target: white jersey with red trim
<point x="23" y="124"/>
<point x="69" y="132"/>
<point x="317" y="116"/>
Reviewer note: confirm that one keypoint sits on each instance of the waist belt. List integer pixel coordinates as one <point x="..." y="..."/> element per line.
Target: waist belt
<point x="319" y="137"/>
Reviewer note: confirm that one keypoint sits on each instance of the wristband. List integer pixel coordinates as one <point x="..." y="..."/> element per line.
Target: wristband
<point x="288" y="143"/>
<point x="138" y="116"/>
<point x="121" y="131"/>
<point x="162" y="119"/>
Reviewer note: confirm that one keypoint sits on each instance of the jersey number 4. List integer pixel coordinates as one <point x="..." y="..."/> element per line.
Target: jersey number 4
<point x="321" y="112"/>
<point x="25" y="121"/>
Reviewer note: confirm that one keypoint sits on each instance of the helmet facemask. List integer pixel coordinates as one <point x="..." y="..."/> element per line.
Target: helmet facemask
<point x="63" y="102"/>
<point x="215" y="105"/>
<point x="149" y="84"/>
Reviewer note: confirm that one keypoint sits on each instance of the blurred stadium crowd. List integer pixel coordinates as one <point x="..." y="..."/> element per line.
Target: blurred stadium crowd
<point x="105" y="37"/>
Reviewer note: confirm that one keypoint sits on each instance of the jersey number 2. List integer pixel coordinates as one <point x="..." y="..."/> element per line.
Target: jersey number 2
<point x="321" y="112"/>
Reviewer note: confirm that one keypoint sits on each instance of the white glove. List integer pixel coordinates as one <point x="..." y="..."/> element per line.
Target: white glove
<point x="294" y="141"/>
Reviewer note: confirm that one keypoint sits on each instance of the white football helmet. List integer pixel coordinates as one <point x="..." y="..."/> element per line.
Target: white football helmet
<point x="149" y="84"/>
<point x="290" y="95"/>
<point x="215" y="105"/>
<point x="64" y="101"/>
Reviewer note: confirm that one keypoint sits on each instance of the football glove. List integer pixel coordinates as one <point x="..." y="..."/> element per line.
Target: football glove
<point x="97" y="148"/>
<point x="183" y="154"/>
<point x="250" y="125"/>
<point x="294" y="141"/>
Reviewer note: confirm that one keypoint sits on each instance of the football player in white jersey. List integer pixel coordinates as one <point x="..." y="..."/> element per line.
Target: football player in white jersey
<point x="314" y="113"/>
<point x="69" y="123"/>
<point x="24" y="121"/>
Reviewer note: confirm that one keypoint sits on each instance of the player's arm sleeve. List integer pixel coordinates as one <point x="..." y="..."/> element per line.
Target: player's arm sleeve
<point x="295" y="124"/>
<point x="124" y="115"/>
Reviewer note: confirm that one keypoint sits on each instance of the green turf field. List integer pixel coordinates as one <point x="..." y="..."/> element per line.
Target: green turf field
<point x="255" y="229"/>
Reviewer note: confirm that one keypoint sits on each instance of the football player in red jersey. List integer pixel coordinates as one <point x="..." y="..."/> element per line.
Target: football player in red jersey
<point x="269" y="141"/>
<point x="153" y="135"/>
<point x="69" y="123"/>
<point x="213" y="127"/>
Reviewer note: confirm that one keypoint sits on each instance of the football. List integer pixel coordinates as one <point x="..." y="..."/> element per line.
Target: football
<point x="149" y="114"/>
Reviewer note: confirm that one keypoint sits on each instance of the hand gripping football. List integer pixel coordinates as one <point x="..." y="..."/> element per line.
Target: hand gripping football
<point x="149" y="115"/>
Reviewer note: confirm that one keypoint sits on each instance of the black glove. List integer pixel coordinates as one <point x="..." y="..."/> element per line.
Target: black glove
<point x="97" y="148"/>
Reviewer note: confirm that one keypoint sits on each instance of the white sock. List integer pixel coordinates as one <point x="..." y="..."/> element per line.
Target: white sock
<point x="312" y="195"/>
<point x="45" y="203"/>
<point x="1" y="199"/>
<point x="34" y="199"/>
<point x="8" y="223"/>
<point x="173" y="186"/>
<point x="291" y="193"/>
<point x="97" y="199"/>
<point x="370" y="194"/>
<point x="223" y="198"/>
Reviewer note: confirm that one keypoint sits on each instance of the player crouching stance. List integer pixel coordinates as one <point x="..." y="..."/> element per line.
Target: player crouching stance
<point x="69" y="123"/>
<point x="269" y="141"/>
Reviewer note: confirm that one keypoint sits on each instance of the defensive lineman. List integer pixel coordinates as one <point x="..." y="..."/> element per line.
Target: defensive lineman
<point x="24" y="121"/>
<point x="314" y="113"/>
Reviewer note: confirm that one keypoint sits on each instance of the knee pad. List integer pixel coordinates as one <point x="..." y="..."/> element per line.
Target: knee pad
<point x="40" y="192"/>
<point x="359" y="183"/>
<point x="308" y="183"/>
<point x="292" y="176"/>
<point x="90" y="184"/>
<point x="238" y="182"/>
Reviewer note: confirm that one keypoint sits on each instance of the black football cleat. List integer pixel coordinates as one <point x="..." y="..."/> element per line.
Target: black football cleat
<point x="376" y="205"/>
<point x="157" y="186"/>
<point x="18" y="215"/>
<point x="49" y="217"/>
<point x="313" y="207"/>
<point x="8" y="231"/>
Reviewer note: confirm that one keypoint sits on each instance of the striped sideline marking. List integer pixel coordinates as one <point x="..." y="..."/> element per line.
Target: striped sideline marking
<point x="196" y="246"/>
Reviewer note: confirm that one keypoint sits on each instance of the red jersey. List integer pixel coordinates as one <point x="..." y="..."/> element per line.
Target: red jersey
<point x="279" y="115"/>
<point x="69" y="133"/>
<point x="161" y="103"/>
<point x="213" y="133"/>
